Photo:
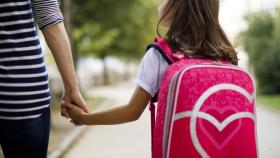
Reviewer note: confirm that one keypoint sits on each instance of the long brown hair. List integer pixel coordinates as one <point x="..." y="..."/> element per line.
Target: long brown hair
<point x="195" y="27"/>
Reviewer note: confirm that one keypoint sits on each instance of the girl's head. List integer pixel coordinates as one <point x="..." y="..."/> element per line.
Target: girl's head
<point x="193" y="26"/>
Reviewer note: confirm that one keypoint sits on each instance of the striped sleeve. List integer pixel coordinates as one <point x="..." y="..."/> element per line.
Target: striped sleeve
<point x="46" y="12"/>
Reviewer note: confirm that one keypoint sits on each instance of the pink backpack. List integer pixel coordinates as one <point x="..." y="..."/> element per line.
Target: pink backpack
<point x="205" y="109"/>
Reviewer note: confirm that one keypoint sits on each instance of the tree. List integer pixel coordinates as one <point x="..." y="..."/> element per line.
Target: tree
<point x="261" y="41"/>
<point x="120" y="28"/>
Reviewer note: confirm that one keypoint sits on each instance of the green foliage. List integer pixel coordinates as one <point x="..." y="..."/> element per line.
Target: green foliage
<point x="121" y="28"/>
<point x="261" y="41"/>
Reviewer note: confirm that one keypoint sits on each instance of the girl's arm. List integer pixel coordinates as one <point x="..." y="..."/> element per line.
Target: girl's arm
<point x="120" y="114"/>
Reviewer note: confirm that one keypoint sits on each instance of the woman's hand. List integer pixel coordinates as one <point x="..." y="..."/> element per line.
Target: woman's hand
<point x="75" y="113"/>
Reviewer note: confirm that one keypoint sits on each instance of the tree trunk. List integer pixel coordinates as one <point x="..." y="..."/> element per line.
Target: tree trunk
<point x="68" y="25"/>
<point x="105" y="70"/>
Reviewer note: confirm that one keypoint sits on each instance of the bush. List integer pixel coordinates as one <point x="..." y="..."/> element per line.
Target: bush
<point x="261" y="41"/>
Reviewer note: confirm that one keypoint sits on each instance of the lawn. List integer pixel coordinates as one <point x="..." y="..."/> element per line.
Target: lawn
<point x="271" y="101"/>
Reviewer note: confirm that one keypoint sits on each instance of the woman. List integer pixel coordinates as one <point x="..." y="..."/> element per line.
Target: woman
<point x="24" y="92"/>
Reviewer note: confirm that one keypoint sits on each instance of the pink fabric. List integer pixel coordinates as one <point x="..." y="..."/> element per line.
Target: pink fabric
<point x="237" y="139"/>
<point x="167" y="50"/>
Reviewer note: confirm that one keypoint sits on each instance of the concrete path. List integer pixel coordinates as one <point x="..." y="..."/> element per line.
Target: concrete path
<point x="268" y="133"/>
<point x="133" y="140"/>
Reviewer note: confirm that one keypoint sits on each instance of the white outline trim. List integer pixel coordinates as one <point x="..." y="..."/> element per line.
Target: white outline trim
<point x="168" y="111"/>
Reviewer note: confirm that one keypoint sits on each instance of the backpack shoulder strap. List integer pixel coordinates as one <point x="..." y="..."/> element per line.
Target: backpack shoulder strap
<point x="163" y="48"/>
<point x="166" y="52"/>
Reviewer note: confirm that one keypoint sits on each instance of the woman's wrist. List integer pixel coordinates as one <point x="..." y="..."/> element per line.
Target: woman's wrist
<point x="71" y="87"/>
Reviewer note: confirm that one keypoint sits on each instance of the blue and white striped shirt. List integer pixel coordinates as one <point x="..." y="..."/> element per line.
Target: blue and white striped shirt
<point x="24" y="90"/>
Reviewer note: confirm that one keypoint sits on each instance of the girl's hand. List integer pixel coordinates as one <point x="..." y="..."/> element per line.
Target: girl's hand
<point x="76" y="114"/>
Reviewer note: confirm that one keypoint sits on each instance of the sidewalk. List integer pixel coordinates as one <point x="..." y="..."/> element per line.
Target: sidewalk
<point x="133" y="140"/>
<point x="268" y="132"/>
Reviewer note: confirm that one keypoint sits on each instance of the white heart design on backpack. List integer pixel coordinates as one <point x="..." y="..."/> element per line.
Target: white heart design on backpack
<point x="196" y="113"/>
<point x="204" y="128"/>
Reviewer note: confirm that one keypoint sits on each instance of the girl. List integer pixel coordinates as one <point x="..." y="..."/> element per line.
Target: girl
<point x="193" y="27"/>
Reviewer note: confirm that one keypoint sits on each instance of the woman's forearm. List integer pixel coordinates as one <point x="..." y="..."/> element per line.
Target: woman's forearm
<point x="58" y="42"/>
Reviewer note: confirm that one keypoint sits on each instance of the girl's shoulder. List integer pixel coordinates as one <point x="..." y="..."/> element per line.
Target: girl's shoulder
<point x="151" y="70"/>
<point x="153" y="56"/>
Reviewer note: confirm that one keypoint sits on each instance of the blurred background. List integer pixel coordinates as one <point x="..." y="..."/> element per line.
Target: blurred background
<point x="109" y="38"/>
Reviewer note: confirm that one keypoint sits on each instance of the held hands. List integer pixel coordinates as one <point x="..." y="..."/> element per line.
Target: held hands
<point x="76" y="113"/>
<point x="73" y="97"/>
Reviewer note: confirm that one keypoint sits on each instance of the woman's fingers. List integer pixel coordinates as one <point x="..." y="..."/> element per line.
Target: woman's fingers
<point x="71" y="108"/>
<point x="68" y="105"/>
<point x="86" y="109"/>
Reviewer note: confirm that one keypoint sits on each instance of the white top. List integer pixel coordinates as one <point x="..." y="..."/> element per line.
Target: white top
<point x="150" y="71"/>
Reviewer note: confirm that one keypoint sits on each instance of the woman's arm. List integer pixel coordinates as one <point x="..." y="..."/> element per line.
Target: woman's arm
<point x="120" y="114"/>
<point x="57" y="40"/>
<point x="49" y="19"/>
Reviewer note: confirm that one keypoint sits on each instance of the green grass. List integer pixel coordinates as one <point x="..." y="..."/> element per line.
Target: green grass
<point x="271" y="101"/>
